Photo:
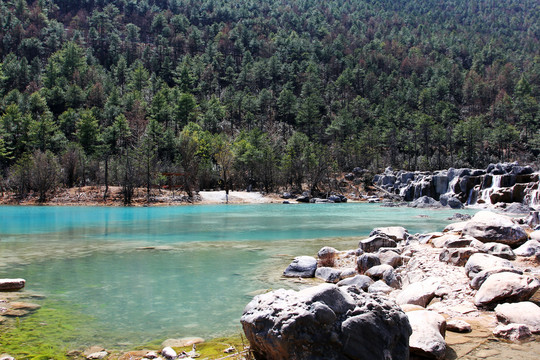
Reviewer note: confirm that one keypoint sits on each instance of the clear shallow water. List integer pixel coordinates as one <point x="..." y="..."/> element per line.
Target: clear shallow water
<point x="207" y="264"/>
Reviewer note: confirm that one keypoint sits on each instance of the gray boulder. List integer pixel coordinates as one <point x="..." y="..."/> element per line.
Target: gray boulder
<point x="366" y="261"/>
<point x="396" y="233"/>
<point x="168" y="353"/>
<point x="325" y="322"/>
<point x="390" y="258"/>
<point x="385" y="273"/>
<point x="327" y="256"/>
<point x="480" y="262"/>
<point x="11" y="284"/>
<point x="360" y="281"/>
<point x="505" y="287"/>
<point x="302" y="266"/>
<point x="482" y="276"/>
<point x="517" y="208"/>
<point x="513" y="332"/>
<point x="451" y="241"/>
<point x="379" y="287"/>
<point x="487" y="226"/>
<point x="500" y="250"/>
<point x="427" y="339"/>
<point x="530" y="248"/>
<point x="419" y="293"/>
<point x="374" y="243"/>
<point x="524" y="312"/>
<point x="328" y="274"/>
<point x="457" y="256"/>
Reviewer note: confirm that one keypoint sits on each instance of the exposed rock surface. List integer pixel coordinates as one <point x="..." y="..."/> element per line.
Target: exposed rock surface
<point x="480" y="262"/>
<point x="385" y="273"/>
<point x="482" y="276"/>
<point x="427" y="339"/>
<point x="419" y="293"/>
<point x="11" y="284"/>
<point x="487" y="226"/>
<point x="459" y="326"/>
<point x="530" y="248"/>
<point x="500" y="250"/>
<point x="396" y="233"/>
<point x="457" y="256"/>
<point x="366" y="261"/>
<point x="505" y="287"/>
<point x="375" y="242"/>
<point x="327" y="322"/>
<point x="513" y="332"/>
<point x="524" y="312"/>
<point x="301" y="266"/>
<point x="361" y="281"/>
<point x="328" y="274"/>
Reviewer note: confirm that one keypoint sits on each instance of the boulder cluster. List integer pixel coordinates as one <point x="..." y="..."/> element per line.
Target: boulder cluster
<point x="397" y="294"/>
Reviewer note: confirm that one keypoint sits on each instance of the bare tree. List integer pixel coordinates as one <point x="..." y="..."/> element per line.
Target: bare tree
<point x="45" y="173"/>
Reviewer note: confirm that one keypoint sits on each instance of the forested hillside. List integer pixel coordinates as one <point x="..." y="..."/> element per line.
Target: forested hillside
<point x="261" y="93"/>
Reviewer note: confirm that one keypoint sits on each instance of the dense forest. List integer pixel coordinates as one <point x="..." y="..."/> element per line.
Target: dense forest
<point x="264" y="94"/>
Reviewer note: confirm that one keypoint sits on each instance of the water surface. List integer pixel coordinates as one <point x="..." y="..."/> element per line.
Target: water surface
<point x="141" y="274"/>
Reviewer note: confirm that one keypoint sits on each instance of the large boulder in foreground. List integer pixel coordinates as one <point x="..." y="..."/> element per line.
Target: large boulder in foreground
<point x="326" y="322"/>
<point x="301" y="266"/>
<point x="505" y="287"/>
<point x="524" y="312"/>
<point x="427" y="340"/>
<point x="11" y="284"/>
<point x="487" y="226"/>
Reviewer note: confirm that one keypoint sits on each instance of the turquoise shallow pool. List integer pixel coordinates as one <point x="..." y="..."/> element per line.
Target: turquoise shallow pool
<point x="206" y="264"/>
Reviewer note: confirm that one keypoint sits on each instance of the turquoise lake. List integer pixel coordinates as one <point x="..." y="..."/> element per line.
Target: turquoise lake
<point x="146" y="274"/>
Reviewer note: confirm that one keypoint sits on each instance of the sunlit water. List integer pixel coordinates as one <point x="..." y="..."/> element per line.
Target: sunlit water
<point x="206" y="264"/>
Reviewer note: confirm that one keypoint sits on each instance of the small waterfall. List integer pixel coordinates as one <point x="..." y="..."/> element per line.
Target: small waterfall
<point x="452" y="185"/>
<point x="495" y="185"/>
<point x="534" y="200"/>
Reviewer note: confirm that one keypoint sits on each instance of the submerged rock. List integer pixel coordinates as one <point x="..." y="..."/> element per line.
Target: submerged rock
<point x="301" y="266"/>
<point x="325" y="322"/>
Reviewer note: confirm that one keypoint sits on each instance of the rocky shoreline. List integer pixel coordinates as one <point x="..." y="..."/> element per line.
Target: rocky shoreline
<point x="478" y="277"/>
